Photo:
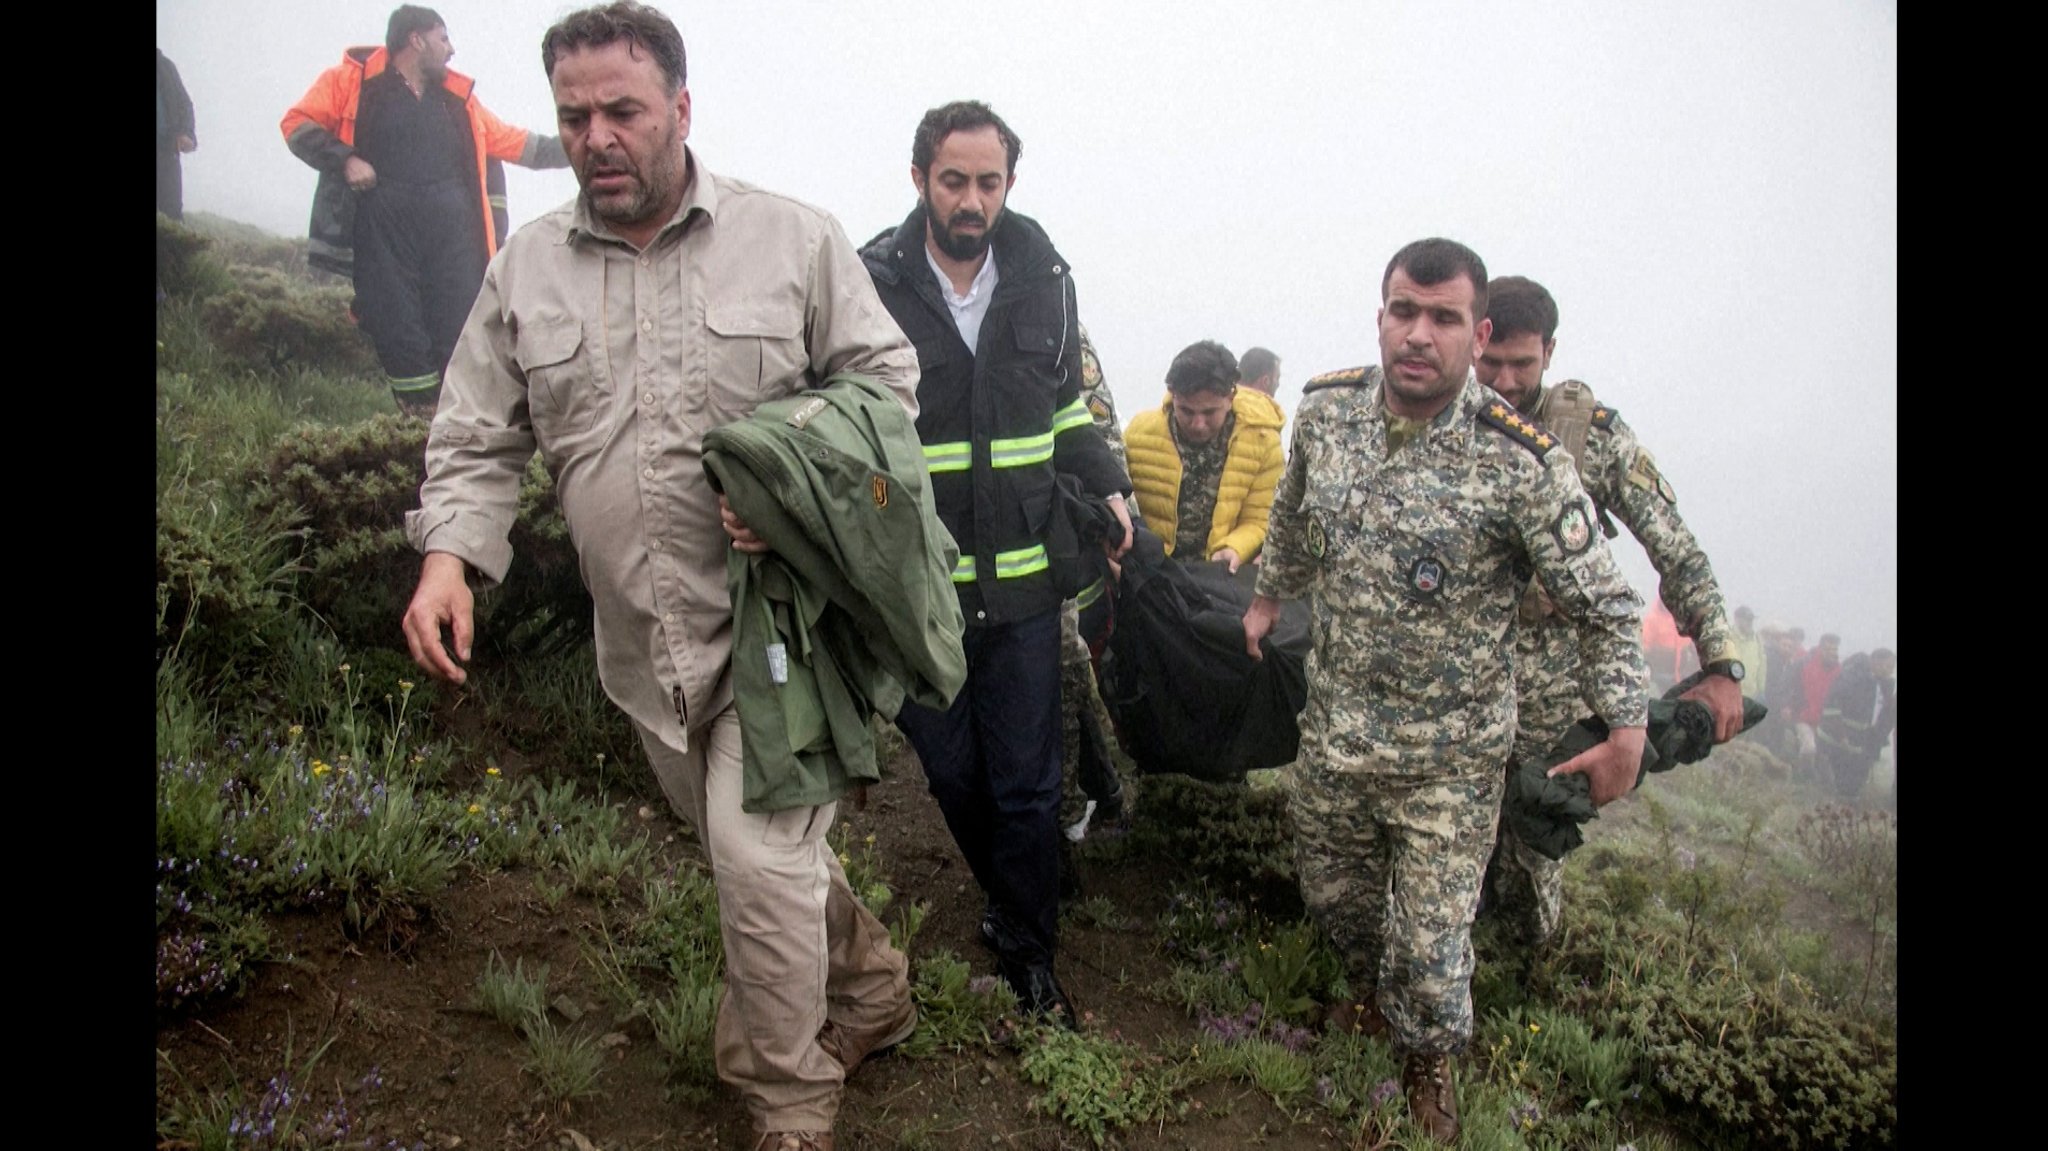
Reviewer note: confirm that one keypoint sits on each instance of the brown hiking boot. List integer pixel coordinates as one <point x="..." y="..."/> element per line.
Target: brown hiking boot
<point x="795" y="1141"/>
<point x="851" y="1048"/>
<point x="1359" y="1017"/>
<point x="1432" y="1096"/>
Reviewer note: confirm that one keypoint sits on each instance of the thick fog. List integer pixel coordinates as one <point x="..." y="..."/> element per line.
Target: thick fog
<point x="1710" y="192"/>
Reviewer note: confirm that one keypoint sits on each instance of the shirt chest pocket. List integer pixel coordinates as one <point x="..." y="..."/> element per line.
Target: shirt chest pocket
<point x="756" y="353"/>
<point x="1037" y="344"/>
<point x="563" y="394"/>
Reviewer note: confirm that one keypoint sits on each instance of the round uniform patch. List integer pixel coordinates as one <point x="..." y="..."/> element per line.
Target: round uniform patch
<point x="1318" y="543"/>
<point x="1426" y="576"/>
<point x="1574" y="531"/>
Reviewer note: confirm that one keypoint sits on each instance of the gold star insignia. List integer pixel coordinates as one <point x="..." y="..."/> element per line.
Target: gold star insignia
<point x="1542" y="441"/>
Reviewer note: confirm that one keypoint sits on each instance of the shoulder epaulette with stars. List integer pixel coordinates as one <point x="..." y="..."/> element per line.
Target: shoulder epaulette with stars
<point x="1346" y="378"/>
<point x="1518" y="429"/>
<point x="1602" y="417"/>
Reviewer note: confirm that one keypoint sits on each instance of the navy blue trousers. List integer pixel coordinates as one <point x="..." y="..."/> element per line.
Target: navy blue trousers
<point x="993" y="763"/>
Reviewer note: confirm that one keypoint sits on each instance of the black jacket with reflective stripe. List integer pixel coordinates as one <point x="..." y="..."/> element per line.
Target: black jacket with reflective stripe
<point x="996" y="405"/>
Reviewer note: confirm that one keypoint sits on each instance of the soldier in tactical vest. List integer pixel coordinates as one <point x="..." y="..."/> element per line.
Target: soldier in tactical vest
<point x="1522" y="886"/>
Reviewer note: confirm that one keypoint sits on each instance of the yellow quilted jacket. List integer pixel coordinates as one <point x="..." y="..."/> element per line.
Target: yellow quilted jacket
<point x="1244" y="496"/>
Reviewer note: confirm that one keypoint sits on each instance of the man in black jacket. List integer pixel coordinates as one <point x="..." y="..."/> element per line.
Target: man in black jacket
<point x="175" y="136"/>
<point x="989" y="305"/>
<point x="1857" y="718"/>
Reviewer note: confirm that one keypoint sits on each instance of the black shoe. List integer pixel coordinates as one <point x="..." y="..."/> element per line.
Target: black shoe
<point x="1039" y="993"/>
<point x="1111" y="808"/>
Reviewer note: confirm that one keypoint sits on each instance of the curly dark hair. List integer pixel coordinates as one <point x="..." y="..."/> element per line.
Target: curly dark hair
<point x="959" y="116"/>
<point x="640" y="26"/>
<point x="1204" y="366"/>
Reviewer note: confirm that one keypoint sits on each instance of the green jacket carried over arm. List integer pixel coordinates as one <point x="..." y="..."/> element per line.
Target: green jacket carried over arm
<point x="853" y="609"/>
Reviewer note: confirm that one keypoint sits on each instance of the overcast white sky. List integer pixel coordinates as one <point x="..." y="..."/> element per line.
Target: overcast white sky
<point x="1710" y="191"/>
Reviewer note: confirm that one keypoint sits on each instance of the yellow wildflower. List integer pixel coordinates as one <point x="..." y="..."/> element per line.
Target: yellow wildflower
<point x="295" y="730"/>
<point x="492" y="771"/>
<point x="1535" y="1027"/>
<point x="476" y="808"/>
<point x="320" y="768"/>
<point x="405" y="685"/>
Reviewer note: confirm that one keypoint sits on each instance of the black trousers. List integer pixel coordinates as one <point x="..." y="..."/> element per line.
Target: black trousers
<point x="419" y="259"/>
<point x="992" y="761"/>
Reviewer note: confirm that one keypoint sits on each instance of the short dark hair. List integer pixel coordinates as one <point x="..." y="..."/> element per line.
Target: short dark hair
<point x="1831" y="637"/>
<point x="1206" y="366"/>
<point x="1883" y="653"/>
<point x="1256" y="362"/>
<point x="1518" y="305"/>
<point x="637" y="24"/>
<point x="407" y="19"/>
<point x="959" y="116"/>
<point x="1436" y="260"/>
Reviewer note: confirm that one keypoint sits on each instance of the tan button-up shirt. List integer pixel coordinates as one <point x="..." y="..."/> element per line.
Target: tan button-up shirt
<point x="615" y="362"/>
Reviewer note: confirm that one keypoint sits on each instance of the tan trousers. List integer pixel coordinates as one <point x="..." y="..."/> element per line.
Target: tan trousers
<point x="800" y="948"/>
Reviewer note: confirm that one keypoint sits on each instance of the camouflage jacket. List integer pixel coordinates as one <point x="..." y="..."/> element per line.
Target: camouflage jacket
<point x="1101" y="403"/>
<point x="1623" y="480"/>
<point x="1413" y="567"/>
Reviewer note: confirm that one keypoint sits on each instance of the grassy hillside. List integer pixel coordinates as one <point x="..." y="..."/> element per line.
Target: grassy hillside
<point x="395" y="914"/>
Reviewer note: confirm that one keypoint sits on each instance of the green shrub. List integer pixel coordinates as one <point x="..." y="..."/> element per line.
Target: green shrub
<point x="1098" y="1085"/>
<point x="186" y="265"/>
<point x="352" y="486"/>
<point x="1753" y="1063"/>
<point x="1239" y="839"/>
<point x="269" y="318"/>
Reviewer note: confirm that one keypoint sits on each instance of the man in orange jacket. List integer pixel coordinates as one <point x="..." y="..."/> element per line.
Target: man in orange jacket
<point x="404" y="151"/>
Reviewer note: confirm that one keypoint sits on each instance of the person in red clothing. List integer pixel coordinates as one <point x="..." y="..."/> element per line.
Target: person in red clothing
<point x="1816" y="678"/>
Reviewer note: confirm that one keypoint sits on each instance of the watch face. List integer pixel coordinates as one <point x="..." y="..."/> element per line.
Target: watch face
<point x="1733" y="669"/>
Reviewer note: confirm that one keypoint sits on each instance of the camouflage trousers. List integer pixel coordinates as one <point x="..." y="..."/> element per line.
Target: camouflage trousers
<point x="1088" y="761"/>
<point x="1390" y="865"/>
<point x="1524" y="889"/>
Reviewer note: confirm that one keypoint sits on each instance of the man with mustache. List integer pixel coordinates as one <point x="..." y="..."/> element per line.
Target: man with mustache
<point x="1523" y="886"/>
<point x="1414" y="505"/>
<point x="989" y="305"/>
<point x="613" y="333"/>
<point x="406" y="155"/>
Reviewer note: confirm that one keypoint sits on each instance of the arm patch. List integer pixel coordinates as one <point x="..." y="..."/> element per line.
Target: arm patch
<point x="1349" y="377"/>
<point x="1510" y="423"/>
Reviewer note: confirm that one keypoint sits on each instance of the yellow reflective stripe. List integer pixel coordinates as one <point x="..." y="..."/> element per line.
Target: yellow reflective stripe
<point x="1088" y="595"/>
<point x="1023" y="561"/>
<point x="1072" y="416"/>
<point x="1009" y="565"/>
<point x="1020" y="452"/>
<point x="955" y="457"/>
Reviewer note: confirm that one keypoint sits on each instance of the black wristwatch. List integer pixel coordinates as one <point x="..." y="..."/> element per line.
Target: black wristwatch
<point x="1732" y="668"/>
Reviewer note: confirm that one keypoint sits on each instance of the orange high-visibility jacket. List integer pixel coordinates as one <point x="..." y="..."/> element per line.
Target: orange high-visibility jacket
<point x="321" y="130"/>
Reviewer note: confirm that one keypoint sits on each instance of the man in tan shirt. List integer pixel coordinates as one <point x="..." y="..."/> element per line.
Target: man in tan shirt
<point x="612" y="334"/>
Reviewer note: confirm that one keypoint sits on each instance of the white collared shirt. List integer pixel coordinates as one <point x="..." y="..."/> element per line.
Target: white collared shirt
<point x="969" y="309"/>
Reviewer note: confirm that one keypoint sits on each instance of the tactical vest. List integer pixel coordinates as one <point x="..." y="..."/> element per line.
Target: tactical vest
<point x="1566" y="412"/>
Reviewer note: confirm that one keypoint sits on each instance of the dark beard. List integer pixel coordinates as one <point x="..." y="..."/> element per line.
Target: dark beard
<point x="954" y="244"/>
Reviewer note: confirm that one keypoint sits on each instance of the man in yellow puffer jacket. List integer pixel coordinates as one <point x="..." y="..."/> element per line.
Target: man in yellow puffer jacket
<point x="1210" y="454"/>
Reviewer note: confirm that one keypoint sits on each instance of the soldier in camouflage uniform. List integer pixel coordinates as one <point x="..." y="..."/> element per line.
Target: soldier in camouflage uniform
<point x="1524" y="888"/>
<point x="1089" y="761"/>
<point x="1414" y="508"/>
